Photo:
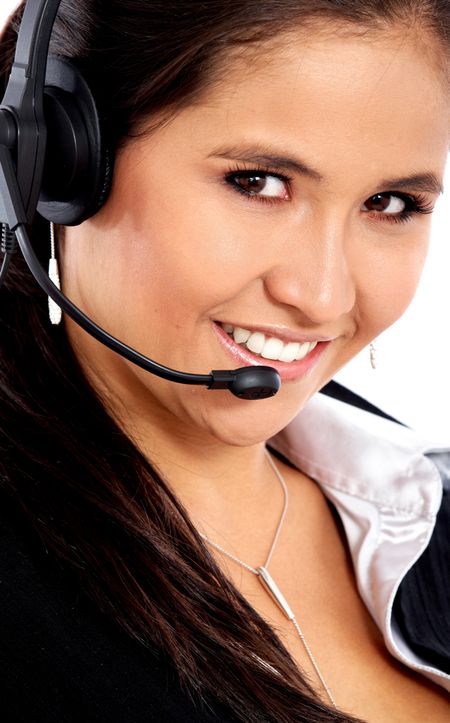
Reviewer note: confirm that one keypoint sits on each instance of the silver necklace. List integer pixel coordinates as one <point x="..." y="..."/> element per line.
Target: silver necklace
<point x="269" y="583"/>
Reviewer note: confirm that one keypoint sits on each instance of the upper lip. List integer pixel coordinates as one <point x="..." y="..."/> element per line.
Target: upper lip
<point x="280" y="332"/>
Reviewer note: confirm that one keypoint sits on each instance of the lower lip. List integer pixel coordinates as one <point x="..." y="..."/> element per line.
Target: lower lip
<point x="288" y="371"/>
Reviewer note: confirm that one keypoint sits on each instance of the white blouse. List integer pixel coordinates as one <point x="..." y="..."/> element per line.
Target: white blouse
<point x="387" y="493"/>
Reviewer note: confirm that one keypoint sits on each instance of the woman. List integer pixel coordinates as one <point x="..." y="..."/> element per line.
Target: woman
<point x="276" y="165"/>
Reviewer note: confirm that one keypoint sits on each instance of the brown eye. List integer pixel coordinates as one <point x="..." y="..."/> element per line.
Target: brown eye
<point x="259" y="185"/>
<point x="385" y="202"/>
<point x="253" y="184"/>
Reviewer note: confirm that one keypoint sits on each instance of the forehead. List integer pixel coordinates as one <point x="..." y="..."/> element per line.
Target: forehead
<point x="382" y="96"/>
<point x="359" y="62"/>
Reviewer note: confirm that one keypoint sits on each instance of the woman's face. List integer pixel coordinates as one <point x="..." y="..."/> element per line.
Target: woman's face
<point x="270" y="206"/>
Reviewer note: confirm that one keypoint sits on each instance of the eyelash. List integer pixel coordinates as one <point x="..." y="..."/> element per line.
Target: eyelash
<point x="415" y="204"/>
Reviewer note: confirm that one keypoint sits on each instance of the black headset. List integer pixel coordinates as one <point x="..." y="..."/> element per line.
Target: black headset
<point x="53" y="159"/>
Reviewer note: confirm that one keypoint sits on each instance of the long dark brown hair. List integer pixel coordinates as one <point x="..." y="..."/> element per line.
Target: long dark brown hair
<point x="93" y="499"/>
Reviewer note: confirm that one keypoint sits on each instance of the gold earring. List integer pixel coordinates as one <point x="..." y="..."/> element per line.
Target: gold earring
<point x="54" y="311"/>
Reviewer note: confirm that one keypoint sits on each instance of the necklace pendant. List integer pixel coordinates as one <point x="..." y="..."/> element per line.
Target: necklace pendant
<point x="274" y="591"/>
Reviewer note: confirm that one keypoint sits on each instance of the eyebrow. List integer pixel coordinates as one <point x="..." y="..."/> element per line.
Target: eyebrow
<point x="256" y="154"/>
<point x="426" y="181"/>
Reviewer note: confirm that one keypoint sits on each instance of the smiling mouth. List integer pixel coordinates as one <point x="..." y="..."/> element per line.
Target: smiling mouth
<point x="269" y="347"/>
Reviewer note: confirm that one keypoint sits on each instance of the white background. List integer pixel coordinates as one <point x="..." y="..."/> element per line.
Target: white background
<point x="6" y="7"/>
<point x="412" y="379"/>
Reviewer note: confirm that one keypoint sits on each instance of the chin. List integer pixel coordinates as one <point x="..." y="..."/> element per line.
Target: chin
<point x="241" y="423"/>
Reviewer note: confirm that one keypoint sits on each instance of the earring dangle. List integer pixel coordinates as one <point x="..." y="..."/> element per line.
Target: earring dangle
<point x="373" y="355"/>
<point x="54" y="311"/>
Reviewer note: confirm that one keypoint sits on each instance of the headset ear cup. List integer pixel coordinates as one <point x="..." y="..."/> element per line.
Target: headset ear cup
<point x="78" y="166"/>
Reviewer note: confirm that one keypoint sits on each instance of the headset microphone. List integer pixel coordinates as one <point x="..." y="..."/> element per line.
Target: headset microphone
<point x="53" y="159"/>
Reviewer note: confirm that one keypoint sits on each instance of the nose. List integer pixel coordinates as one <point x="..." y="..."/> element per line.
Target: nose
<point x="314" y="272"/>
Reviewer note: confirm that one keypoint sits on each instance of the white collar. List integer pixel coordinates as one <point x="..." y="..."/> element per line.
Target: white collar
<point x="386" y="491"/>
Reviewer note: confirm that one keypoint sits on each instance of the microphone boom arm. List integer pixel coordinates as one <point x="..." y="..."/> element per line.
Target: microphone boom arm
<point x="257" y="382"/>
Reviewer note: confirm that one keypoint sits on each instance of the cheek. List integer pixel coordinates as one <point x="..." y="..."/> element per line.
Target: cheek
<point x="175" y="279"/>
<point x="185" y="256"/>
<point x="167" y="274"/>
<point x="390" y="282"/>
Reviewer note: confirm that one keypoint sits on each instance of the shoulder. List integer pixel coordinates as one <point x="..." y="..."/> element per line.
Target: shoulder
<point x="387" y="485"/>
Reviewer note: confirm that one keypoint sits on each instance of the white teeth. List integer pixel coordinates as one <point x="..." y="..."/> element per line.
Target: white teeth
<point x="240" y="335"/>
<point x="272" y="349"/>
<point x="304" y="349"/>
<point x="289" y="352"/>
<point x="269" y="348"/>
<point x="256" y="342"/>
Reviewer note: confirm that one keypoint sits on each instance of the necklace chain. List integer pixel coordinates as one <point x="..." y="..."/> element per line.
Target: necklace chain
<point x="268" y="582"/>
